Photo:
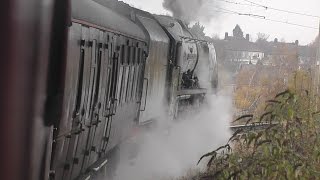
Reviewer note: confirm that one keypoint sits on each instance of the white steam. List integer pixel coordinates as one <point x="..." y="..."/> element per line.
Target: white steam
<point x="191" y="10"/>
<point x="170" y="154"/>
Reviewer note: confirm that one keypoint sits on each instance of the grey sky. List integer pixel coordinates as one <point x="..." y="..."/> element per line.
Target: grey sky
<point x="222" y="22"/>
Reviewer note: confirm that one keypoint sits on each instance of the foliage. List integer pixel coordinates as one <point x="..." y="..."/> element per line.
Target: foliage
<point x="255" y="84"/>
<point x="262" y="40"/>
<point x="315" y="43"/>
<point x="237" y="32"/>
<point x="289" y="147"/>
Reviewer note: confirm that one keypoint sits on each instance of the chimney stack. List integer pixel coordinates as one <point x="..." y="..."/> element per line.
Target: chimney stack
<point x="247" y="37"/>
<point x="296" y="42"/>
<point x="276" y="40"/>
<point x="226" y="36"/>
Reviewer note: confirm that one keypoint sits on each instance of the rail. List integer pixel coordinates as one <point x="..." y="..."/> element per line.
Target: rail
<point x="251" y="127"/>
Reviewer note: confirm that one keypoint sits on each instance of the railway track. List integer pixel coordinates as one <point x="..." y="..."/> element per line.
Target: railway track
<point x="251" y="127"/>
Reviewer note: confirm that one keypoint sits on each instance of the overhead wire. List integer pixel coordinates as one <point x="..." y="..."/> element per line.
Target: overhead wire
<point x="281" y="10"/>
<point x="242" y="14"/>
<point x="294" y="24"/>
<point x="237" y="3"/>
<point x="263" y="18"/>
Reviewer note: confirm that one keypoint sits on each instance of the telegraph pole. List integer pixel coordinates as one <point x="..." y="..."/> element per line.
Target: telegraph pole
<point x="317" y="71"/>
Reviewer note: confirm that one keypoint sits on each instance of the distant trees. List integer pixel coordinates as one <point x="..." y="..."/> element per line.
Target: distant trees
<point x="262" y="37"/>
<point x="215" y="37"/>
<point x="237" y="32"/>
<point x="257" y="84"/>
<point x="199" y="29"/>
<point x="262" y="40"/>
<point x="315" y="43"/>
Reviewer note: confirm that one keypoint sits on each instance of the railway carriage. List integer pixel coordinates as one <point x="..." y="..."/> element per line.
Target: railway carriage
<point x="110" y="69"/>
<point x="125" y="68"/>
<point x="104" y="78"/>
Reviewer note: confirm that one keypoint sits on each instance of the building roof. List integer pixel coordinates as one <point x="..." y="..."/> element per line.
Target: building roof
<point x="241" y="45"/>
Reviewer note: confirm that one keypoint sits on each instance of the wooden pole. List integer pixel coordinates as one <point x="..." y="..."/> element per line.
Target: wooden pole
<point x="317" y="72"/>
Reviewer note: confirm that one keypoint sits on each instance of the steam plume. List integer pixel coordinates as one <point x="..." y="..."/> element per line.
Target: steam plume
<point x="191" y="10"/>
<point x="171" y="155"/>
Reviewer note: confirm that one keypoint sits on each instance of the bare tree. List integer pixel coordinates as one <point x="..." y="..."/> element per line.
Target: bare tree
<point x="262" y="37"/>
<point x="262" y="40"/>
<point x="215" y="37"/>
<point x="315" y="43"/>
<point x="198" y="29"/>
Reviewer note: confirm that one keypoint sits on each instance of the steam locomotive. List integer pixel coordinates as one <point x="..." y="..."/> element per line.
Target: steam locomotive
<point x="111" y="69"/>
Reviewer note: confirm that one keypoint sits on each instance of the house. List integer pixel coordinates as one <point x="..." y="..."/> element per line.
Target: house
<point x="277" y="52"/>
<point x="235" y="50"/>
<point x="239" y="48"/>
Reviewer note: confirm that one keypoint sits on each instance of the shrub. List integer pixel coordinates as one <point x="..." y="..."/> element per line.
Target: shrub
<point x="288" y="148"/>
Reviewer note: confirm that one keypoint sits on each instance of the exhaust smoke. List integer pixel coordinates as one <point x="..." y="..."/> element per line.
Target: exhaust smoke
<point x="191" y="10"/>
<point x="167" y="153"/>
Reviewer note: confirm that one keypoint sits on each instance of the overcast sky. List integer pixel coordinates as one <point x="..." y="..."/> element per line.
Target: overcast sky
<point x="223" y="22"/>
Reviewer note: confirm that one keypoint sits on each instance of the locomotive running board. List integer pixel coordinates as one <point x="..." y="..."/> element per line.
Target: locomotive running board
<point x="94" y="169"/>
<point x="192" y="92"/>
<point x="100" y="164"/>
<point x="86" y="177"/>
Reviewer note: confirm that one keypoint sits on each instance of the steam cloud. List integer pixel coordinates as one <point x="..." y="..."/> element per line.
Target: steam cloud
<point x="170" y="154"/>
<point x="191" y="10"/>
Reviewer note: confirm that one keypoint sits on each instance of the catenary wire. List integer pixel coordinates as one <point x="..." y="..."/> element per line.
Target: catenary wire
<point x="282" y="10"/>
<point x="263" y="18"/>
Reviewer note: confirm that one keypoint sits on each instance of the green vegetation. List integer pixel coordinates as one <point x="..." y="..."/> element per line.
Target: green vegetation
<point x="289" y="148"/>
<point x="282" y="94"/>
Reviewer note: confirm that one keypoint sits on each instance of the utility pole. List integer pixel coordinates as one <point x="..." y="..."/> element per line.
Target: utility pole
<point x="317" y="72"/>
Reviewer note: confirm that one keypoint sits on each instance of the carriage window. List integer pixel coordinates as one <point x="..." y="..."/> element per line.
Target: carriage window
<point x="108" y="82"/>
<point x="111" y="50"/>
<point x="120" y="85"/>
<point x="128" y="54"/>
<point x="125" y="84"/>
<point x="137" y="82"/>
<point x="129" y="83"/>
<point x="134" y="54"/>
<point x="138" y="55"/>
<point x="93" y="74"/>
<point x="114" y="76"/>
<point x="80" y="81"/>
<point x="96" y="94"/>
<point x="133" y="81"/>
<point x="122" y="49"/>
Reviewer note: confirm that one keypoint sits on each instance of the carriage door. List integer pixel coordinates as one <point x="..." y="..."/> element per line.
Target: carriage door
<point x="93" y="105"/>
<point x="90" y="76"/>
<point x="99" y="121"/>
<point x="111" y="90"/>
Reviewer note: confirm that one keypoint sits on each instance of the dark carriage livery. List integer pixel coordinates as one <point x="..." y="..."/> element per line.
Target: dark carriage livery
<point x="125" y="68"/>
<point x="103" y="88"/>
<point x="111" y="69"/>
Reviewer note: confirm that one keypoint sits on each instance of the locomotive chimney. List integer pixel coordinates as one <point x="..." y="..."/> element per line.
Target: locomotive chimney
<point x="247" y="37"/>
<point x="226" y="36"/>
